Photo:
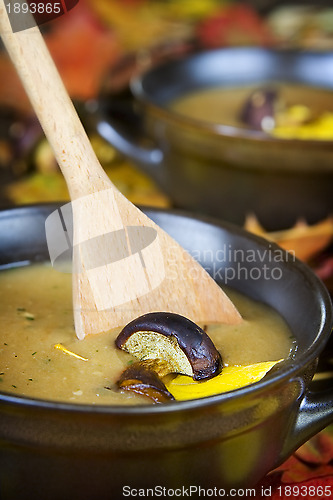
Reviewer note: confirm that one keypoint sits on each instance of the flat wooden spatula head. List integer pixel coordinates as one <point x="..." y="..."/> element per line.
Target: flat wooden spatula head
<point x="128" y="266"/>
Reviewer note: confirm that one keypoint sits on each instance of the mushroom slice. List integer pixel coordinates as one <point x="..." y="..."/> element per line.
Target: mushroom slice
<point x="259" y="110"/>
<point x="185" y="347"/>
<point x="143" y="378"/>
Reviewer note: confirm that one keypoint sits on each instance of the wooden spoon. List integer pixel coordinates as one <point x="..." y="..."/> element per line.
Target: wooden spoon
<point x="124" y="265"/>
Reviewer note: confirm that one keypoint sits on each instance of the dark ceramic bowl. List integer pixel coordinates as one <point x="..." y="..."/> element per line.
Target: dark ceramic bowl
<point x="52" y="450"/>
<point x="228" y="171"/>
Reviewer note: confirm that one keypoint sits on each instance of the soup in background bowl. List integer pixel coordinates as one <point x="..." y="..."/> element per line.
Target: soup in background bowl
<point x="93" y="450"/>
<point x="275" y="108"/>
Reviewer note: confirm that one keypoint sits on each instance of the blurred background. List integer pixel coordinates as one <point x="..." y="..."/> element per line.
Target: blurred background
<point x="97" y="38"/>
<point x="99" y="46"/>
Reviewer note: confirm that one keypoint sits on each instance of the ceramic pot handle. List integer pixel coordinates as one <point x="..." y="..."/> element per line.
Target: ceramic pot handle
<point x="149" y="159"/>
<point x="315" y="413"/>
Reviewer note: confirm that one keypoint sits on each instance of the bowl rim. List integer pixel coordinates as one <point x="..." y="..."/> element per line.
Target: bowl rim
<point x="288" y="371"/>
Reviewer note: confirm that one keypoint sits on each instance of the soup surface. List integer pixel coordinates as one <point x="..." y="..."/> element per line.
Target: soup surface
<point x="36" y="316"/>
<point x="223" y="104"/>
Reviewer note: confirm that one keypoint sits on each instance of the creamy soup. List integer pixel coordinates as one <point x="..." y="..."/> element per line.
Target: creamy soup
<point x="223" y="105"/>
<point x="37" y="328"/>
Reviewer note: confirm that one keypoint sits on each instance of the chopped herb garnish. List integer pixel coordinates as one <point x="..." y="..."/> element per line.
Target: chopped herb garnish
<point x="34" y="353"/>
<point x="15" y="387"/>
<point x="29" y="316"/>
<point x="25" y="314"/>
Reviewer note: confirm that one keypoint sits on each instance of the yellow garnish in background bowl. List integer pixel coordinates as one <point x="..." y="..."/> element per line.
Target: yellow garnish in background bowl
<point x="184" y="387"/>
<point x="320" y="128"/>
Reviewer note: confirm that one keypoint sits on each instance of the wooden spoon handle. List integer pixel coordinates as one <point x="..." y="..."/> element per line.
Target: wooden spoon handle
<point x="112" y="290"/>
<point x="54" y="108"/>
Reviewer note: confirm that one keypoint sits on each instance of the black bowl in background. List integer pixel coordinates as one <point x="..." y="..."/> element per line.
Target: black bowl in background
<point x="53" y="450"/>
<point x="221" y="170"/>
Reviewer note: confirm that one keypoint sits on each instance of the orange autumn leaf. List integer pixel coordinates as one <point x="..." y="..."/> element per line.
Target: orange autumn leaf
<point x="83" y="50"/>
<point x="12" y="92"/>
<point x="300" y="472"/>
<point x="319" y="449"/>
<point x="310" y="466"/>
<point x="313" y="460"/>
<point x="303" y="240"/>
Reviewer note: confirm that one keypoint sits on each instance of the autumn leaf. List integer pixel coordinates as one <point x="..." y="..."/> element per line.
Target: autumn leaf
<point x="319" y="449"/>
<point x="294" y="477"/>
<point x="303" y="240"/>
<point x="312" y="460"/>
<point x="83" y="49"/>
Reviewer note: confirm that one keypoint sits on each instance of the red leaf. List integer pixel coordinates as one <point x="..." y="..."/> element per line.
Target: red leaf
<point x="83" y="50"/>
<point x="235" y="24"/>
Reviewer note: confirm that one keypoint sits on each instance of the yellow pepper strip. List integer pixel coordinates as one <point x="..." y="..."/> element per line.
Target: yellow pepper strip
<point x="70" y="353"/>
<point x="319" y="129"/>
<point x="232" y="377"/>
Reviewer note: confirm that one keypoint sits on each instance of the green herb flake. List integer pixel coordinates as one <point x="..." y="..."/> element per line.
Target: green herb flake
<point x="29" y="316"/>
<point x="34" y="353"/>
<point x="25" y="314"/>
<point x="15" y="387"/>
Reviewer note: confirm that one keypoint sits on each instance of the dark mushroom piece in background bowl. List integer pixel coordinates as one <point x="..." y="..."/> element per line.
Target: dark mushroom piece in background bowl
<point x="68" y="449"/>
<point x="219" y="166"/>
